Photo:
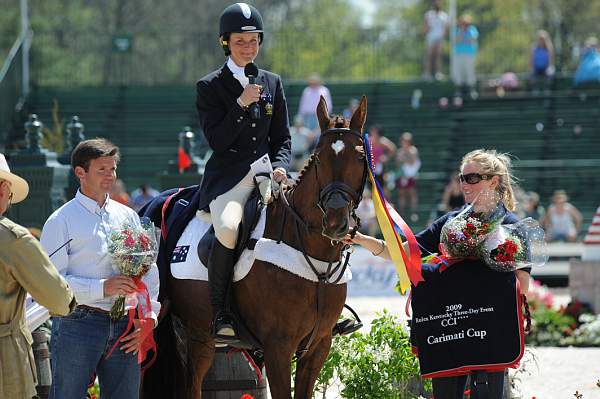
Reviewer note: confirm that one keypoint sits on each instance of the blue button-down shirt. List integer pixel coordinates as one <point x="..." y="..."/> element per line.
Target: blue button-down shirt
<point x="85" y="262"/>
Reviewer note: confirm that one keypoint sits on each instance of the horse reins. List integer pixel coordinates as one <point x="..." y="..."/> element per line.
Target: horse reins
<point x="352" y="198"/>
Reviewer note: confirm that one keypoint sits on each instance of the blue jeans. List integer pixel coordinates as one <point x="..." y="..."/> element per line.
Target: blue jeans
<point x="79" y="344"/>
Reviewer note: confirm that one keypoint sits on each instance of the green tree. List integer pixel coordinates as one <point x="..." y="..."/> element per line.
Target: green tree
<point x="321" y="36"/>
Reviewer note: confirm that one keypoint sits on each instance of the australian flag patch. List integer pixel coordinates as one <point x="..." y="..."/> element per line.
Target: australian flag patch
<point x="180" y="254"/>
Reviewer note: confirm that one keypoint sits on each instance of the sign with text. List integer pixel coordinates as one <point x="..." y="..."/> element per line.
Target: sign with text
<point x="466" y="318"/>
<point x="371" y="275"/>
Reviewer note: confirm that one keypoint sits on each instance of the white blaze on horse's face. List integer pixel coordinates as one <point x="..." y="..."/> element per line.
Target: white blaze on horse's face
<point x="337" y="146"/>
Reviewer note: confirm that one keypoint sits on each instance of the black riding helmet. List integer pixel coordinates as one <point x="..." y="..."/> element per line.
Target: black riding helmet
<point x="239" y="18"/>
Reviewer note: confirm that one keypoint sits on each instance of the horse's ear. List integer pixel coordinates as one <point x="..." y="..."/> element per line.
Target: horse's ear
<point x="323" y="114"/>
<point x="360" y="115"/>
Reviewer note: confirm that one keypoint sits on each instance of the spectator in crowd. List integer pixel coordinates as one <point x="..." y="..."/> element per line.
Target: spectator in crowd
<point x="119" y="193"/>
<point x="562" y="221"/>
<point x="310" y="99"/>
<point x="24" y="267"/>
<point x="141" y="196"/>
<point x="453" y="198"/>
<point x="383" y="150"/>
<point x="533" y="208"/>
<point x="465" y="52"/>
<point x="303" y="141"/>
<point x="366" y="212"/>
<point x="541" y="59"/>
<point x="81" y="341"/>
<point x="408" y="165"/>
<point x="435" y="28"/>
<point x="588" y="70"/>
<point x="349" y="110"/>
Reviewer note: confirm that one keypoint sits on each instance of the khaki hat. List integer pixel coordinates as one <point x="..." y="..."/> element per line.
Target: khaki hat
<point x="19" y="186"/>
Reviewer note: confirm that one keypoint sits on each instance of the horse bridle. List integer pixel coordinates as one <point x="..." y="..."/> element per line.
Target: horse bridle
<point x="350" y="196"/>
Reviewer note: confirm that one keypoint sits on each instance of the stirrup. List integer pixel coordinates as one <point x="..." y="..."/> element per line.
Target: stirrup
<point x="223" y="330"/>
<point x="347" y="326"/>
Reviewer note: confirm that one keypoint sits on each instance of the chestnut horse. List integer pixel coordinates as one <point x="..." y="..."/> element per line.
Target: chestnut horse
<point x="281" y="309"/>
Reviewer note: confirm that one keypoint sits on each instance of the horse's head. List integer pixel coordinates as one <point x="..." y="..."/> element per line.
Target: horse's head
<point x="341" y="168"/>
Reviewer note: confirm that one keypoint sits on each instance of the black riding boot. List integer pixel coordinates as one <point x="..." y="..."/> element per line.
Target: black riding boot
<point x="220" y="271"/>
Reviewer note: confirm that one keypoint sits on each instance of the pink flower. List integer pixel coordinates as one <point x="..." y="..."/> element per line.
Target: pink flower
<point x="129" y="241"/>
<point x="144" y="242"/>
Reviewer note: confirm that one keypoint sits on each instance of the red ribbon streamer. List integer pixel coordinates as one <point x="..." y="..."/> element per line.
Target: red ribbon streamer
<point x="146" y="326"/>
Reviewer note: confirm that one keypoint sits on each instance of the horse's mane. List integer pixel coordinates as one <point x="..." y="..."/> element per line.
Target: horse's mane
<point x="336" y="121"/>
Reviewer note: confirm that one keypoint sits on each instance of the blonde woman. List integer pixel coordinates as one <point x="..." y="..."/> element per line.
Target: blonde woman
<point x="487" y="184"/>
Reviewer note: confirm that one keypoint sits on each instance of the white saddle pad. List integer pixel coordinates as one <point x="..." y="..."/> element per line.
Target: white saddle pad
<point x="185" y="263"/>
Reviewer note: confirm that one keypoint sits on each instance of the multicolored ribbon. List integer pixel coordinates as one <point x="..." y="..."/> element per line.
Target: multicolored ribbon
<point x="408" y="267"/>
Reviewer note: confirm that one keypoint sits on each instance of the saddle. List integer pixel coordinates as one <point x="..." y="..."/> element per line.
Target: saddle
<point x="252" y="211"/>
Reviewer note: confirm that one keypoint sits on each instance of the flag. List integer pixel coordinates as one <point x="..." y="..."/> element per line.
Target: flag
<point x="183" y="160"/>
<point x="391" y="224"/>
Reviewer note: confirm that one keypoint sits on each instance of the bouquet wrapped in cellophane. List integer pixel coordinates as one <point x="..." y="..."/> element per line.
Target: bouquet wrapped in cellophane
<point x="463" y="236"/>
<point x="133" y="250"/>
<point x="515" y="246"/>
<point x="481" y="235"/>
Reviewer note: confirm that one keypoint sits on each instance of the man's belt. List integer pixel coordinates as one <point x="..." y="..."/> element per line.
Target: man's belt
<point x="93" y="309"/>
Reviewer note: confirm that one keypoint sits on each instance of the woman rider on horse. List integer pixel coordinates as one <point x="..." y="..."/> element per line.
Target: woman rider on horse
<point x="238" y="138"/>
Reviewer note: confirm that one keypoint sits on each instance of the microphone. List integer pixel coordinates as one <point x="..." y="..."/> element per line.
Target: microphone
<point x="251" y="72"/>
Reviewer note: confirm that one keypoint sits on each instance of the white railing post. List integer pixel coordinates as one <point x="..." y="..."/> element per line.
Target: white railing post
<point x="25" y="32"/>
<point x="452" y="35"/>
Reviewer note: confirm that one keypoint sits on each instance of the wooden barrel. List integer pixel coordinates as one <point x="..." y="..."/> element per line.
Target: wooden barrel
<point x="231" y="376"/>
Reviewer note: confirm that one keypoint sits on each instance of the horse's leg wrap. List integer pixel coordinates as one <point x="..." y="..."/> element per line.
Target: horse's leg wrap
<point x="220" y="271"/>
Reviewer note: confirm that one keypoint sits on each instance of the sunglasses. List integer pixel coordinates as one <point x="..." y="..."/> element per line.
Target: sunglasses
<point x="473" y="178"/>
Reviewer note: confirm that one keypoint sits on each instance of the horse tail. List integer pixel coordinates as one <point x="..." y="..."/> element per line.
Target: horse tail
<point x="167" y="377"/>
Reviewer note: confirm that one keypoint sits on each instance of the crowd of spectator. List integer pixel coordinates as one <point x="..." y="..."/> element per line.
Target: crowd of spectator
<point x="137" y="199"/>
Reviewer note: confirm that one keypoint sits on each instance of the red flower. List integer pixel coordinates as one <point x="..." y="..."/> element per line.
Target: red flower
<point x="129" y="241"/>
<point x="144" y="242"/>
<point x="510" y="247"/>
<point x="247" y="396"/>
<point x="470" y="229"/>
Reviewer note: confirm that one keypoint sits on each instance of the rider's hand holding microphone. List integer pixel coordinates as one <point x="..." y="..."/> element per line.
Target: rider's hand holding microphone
<point x="250" y="95"/>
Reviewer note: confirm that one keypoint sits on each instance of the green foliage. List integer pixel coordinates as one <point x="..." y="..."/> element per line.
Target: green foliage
<point x="549" y="327"/>
<point x="93" y="392"/>
<point x="176" y="41"/>
<point x="322" y="36"/>
<point x="587" y="334"/>
<point x="571" y="325"/>
<point x="379" y="364"/>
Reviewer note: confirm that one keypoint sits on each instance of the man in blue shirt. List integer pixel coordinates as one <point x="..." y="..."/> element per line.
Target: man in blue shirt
<point x="79" y="234"/>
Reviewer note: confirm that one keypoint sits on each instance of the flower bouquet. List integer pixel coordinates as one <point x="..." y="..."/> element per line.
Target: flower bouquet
<point x="133" y="250"/>
<point x="514" y="246"/>
<point x="463" y="236"/>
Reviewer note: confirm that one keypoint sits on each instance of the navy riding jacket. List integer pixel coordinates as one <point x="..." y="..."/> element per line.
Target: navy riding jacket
<point x="235" y="138"/>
